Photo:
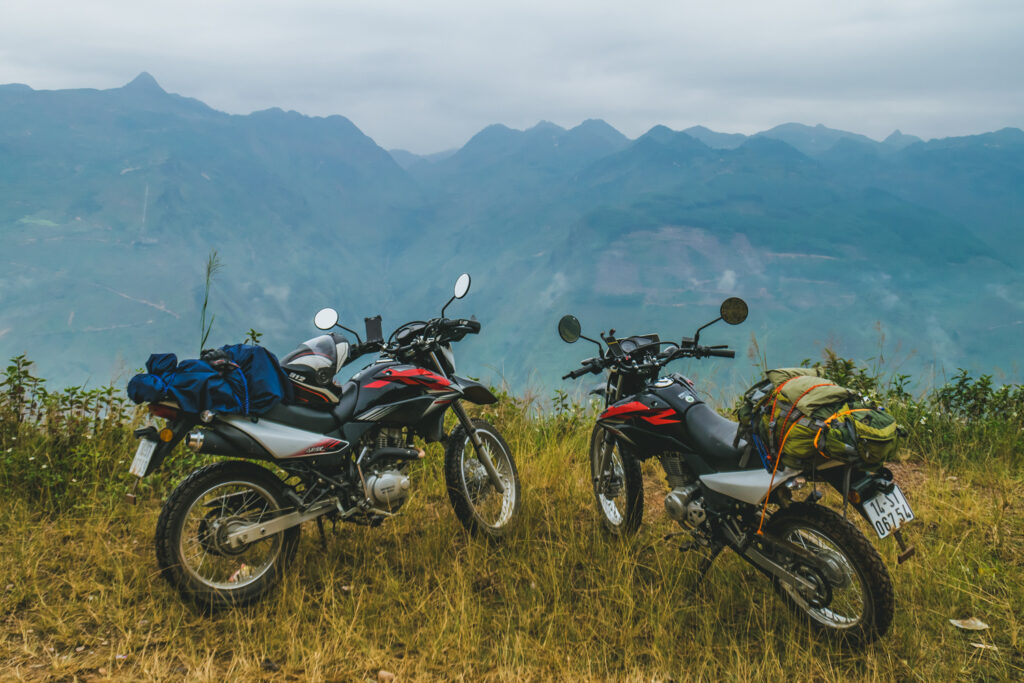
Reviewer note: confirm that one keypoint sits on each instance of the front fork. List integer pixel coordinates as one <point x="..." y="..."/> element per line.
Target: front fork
<point x="604" y="452"/>
<point x="478" y="445"/>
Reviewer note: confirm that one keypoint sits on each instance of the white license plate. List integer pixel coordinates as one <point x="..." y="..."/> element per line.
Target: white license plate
<point x="142" y="455"/>
<point x="888" y="512"/>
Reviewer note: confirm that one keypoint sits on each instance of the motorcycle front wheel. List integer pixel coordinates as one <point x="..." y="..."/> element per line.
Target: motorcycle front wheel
<point x="618" y="485"/>
<point x="855" y="601"/>
<point x="477" y="504"/>
<point x="191" y="535"/>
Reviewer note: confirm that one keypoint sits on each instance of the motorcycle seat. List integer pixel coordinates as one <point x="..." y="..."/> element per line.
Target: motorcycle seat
<point x="301" y="417"/>
<point x="713" y="434"/>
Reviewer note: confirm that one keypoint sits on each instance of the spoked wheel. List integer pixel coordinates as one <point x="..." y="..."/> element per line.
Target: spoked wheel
<point x="192" y="545"/>
<point x="477" y="504"/>
<point x="854" y="597"/>
<point x="618" y="484"/>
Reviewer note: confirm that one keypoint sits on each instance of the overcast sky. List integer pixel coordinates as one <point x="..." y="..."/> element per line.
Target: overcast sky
<point x="426" y="76"/>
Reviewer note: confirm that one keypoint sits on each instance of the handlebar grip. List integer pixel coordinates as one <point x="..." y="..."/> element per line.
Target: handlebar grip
<point x="588" y="366"/>
<point x="473" y="325"/>
<point x="723" y="353"/>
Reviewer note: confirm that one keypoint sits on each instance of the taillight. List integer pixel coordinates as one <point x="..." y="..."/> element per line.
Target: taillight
<point x="160" y="410"/>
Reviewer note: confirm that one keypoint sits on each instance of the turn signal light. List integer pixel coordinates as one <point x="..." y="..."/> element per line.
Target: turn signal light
<point x="854" y="497"/>
<point x="166" y="434"/>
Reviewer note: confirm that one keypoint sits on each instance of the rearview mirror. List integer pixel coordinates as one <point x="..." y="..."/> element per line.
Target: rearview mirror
<point x="569" y="329"/>
<point x="462" y="286"/>
<point x="326" y="318"/>
<point x="734" y="310"/>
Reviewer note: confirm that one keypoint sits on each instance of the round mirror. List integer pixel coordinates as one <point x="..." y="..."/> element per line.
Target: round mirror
<point x="734" y="310"/>
<point x="569" y="328"/>
<point x="326" y="318"/>
<point x="462" y="286"/>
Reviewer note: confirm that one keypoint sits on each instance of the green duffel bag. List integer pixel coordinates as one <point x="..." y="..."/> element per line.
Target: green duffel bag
<point x="801" y="417"/>
<point x="870" y="432"/>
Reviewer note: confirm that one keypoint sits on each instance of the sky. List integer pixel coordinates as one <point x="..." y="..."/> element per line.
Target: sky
<point x="426" y="76"/>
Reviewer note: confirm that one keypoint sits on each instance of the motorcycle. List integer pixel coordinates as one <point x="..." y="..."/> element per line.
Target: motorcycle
<point x="227" y="532"/>
<point x="820" y="564"/>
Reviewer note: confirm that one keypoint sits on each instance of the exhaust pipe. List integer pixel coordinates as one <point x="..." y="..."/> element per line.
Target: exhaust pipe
<point x="216" y="442"/>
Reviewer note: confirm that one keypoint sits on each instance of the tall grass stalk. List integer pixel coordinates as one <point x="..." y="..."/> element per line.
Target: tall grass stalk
<point x="213" y="266"/>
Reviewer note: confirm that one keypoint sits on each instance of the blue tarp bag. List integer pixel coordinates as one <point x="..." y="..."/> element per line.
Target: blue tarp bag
<point x="250" y="383"/>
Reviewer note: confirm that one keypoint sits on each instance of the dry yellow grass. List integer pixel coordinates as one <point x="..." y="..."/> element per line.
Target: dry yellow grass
<point x="82" y="600"/>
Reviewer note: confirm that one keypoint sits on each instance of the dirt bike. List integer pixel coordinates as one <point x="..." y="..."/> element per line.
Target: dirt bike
<point x="819" y="563"/>
<point x="227" y="532"/>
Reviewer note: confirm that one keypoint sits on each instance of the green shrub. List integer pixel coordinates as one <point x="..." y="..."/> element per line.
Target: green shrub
<point x="70" y="449"/>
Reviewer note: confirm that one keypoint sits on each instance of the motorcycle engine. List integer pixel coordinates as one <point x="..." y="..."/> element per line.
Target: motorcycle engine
<point x="686" y="506"/>
<point x="386" y="486"/>
<point x="684" y="503"/>
<point x="387" y="489"/>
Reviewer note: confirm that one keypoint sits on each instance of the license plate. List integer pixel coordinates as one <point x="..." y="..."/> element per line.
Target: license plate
<point x="142" y="455"/>
<point x="888" y="512"/>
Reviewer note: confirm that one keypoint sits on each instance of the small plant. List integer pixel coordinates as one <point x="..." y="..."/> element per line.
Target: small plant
<point x="845" y="372"/>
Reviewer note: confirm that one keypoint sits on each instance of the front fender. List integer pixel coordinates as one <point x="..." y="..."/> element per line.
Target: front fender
<point x="474" y="392"/>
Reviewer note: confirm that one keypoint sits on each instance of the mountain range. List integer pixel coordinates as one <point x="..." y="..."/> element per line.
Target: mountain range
<point x="111" y="200"/>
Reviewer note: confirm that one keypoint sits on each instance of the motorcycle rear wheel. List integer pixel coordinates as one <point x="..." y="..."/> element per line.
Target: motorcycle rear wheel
<point x="477" y="504"/>
<point x="860" y="605"/>
<point x="619" y="490"/>
<point x="190" y="547"/>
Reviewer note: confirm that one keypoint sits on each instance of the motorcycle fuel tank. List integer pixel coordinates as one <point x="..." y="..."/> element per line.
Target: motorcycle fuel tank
<point x="396" y="393"/>
<point x="653" y="418"/>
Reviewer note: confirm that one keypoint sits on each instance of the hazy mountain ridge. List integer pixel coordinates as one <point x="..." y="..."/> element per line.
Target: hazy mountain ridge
<point x="110" y="201"/>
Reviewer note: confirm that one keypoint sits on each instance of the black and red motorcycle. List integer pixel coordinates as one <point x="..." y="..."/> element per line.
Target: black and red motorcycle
<point x="227" y="532"/>
<point x="821" y="565"/>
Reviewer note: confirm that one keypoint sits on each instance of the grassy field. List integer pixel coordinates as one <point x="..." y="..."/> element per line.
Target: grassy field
<point x="82" y="600"/>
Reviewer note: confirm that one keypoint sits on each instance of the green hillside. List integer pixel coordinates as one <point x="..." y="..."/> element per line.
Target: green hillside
<point x="111" y="200"/>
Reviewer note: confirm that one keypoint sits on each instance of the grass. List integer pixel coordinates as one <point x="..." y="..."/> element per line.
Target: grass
<point x="81" y="598"/>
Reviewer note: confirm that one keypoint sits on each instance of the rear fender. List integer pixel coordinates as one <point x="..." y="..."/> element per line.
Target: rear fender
<point x="863" y="486"/>
<point x="179" y="428"/>
<point x="474" y="392"/>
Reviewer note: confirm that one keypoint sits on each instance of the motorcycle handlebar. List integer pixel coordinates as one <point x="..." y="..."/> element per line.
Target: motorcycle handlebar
<point x="437" y="330"/>
<point x="595" y="365"/>
<point x="460" y="325"/>
<point x="589" y="365"/>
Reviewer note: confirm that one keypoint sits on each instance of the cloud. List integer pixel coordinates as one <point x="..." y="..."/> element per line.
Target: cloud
<point x="559" y="285"/>
<point x="426" y="76"/>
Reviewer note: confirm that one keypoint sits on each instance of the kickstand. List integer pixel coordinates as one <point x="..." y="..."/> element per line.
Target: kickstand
<point x="320" y="528"/>
<point x="687" y="544"/>
<point x="705" y="565"/>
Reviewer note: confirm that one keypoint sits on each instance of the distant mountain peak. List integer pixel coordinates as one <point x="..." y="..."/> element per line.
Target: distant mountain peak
<point x="547" y="125"/>
<point x="811" y="140"/>
<point x="596" y="123"/>
<point x="715" y="139"/>
<point x="899" y="139"/>
<point x="592" y="129"/>
<point x="659" y="133"/>
<point x="144" y="83"/>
